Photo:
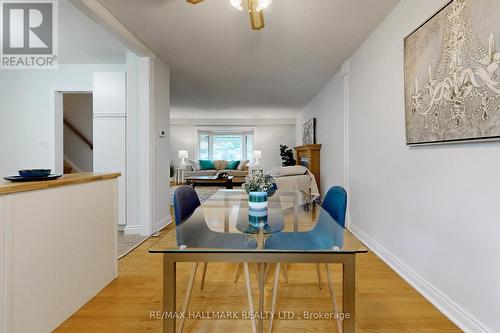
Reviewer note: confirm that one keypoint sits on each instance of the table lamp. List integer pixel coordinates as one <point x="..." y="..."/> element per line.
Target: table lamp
<point x="183" y="154"/>
<point x="257" y="154"/>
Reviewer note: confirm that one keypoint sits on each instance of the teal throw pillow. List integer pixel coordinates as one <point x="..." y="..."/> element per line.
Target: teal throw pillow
<point x="207" y="165"/>
<point x="232" y="165"/>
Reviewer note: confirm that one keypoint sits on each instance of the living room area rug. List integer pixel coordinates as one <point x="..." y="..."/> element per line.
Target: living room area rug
<point x="204" y="192"/>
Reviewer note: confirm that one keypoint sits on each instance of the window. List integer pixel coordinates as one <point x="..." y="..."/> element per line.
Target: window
<point x="225" y="145"/>
<point x="249" y="139"/>
<point x="204" y="151"/>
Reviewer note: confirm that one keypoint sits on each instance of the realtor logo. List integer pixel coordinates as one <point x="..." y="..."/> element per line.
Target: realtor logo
<point x="29" y="34"/>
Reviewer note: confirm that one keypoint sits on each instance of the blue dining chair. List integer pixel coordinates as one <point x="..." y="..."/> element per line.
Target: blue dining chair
<point x="335" y="205"/>
<point x="186" y="202"/>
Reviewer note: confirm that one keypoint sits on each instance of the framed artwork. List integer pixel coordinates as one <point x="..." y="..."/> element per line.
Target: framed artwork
<point x="309" y="132"/>
<point x="452" y="76"/>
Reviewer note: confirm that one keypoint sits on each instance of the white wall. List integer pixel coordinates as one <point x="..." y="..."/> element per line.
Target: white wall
<point x="183" y="137"/>
<point x="267" y="139"/>
<point x="430" y="212"/>
<point x="328" y="109"/>
<point x="78" y="112"/>
<point x="148" y="113"/>
<point x="133" y="163"/>
<point x="161" y="166"/>
<point x="27" y="112"/>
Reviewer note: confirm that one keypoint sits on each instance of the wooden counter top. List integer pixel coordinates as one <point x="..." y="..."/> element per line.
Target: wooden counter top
<point x="7" y="187"/>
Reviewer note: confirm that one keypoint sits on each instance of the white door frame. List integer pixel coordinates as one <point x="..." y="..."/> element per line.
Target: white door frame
<point x="57" y="143"/>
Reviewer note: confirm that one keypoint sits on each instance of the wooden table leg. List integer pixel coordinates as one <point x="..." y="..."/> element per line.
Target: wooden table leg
<point x="169" y="307"/>
<point x="262" y="280"/>
<point x="349" y="293"/>
<point x="248" y="283"/>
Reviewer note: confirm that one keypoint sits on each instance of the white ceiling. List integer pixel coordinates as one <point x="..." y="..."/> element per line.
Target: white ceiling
<point x="82" y="41"/>
<point x="219" y="64"/>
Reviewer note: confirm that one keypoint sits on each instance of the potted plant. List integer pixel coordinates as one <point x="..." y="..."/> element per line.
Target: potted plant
<point x="286" y="156"/>
<point x="259" y="187"/>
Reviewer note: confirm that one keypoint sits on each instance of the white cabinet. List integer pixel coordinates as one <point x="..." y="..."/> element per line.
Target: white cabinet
<point x="57" y="251"/>
<point x="109" y="130"/>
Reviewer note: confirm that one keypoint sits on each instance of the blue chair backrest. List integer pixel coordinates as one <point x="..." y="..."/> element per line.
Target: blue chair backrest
<point x="335" y="203"/>
<point x="185" y="203"/>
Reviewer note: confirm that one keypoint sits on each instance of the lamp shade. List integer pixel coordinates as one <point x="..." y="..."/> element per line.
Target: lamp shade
<point x="183" y="154"/>
<point x="257" y="154"/>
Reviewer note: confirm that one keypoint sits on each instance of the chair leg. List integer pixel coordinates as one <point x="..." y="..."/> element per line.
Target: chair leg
<point x="205" y="264"/>
<point x="248" y="283"/>
<point x="285" y="272"/>
<point x="257" y="273"/>
<point x="237" y="273"/>
<point x="275" y="295"/>
<point x="266" y="272"/>
<point x="318" y="270"/>
<point x="189" y="290"/>
<point x="332" y="294"/>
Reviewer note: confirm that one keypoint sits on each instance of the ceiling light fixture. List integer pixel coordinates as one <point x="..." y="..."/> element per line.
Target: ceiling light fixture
<point x="255" y="9"/>
<point x="238" y="4"/>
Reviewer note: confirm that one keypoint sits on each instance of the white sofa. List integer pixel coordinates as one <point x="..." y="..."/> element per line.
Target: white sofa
<point x="220" y="165"/>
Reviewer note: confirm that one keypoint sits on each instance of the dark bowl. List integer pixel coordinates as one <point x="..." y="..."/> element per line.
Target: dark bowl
<point x="28" y="173"/>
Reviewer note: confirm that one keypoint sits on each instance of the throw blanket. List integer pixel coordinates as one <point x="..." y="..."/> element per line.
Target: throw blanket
<point x="296" y="178"/>
<point x="314" y="185"/>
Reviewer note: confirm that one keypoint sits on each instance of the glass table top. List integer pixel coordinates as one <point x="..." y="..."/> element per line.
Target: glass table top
<point x="291" y="223"/>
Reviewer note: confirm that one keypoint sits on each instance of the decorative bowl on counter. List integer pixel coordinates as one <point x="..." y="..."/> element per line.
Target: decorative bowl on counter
<point x="34" y="173"/>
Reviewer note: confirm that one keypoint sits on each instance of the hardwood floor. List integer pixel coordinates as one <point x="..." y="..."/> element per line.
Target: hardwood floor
<point x="385" y="302"/>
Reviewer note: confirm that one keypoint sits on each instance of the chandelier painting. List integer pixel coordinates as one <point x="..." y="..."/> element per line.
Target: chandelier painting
<point x="452" y="81"/>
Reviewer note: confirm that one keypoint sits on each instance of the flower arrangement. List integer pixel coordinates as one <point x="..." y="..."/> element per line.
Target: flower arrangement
<point x="260" y="182"/>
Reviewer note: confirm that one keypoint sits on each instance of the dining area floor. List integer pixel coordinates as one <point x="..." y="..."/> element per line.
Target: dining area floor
<point x="133" y="302"/>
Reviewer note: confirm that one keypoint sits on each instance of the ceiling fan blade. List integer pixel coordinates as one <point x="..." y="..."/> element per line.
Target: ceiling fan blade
<point x="256" y="17"/>
<point x="194" y="2"/>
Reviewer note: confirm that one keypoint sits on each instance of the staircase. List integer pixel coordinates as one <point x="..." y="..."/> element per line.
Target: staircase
<point x="68" y="168"/>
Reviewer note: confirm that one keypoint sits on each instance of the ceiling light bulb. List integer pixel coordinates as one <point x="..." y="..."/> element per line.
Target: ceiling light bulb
<point x="263" y="4"/>
<point x="236" y="4"/>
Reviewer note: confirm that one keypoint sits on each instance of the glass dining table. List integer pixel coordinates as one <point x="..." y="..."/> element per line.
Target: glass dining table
<point x="293" y="229"/>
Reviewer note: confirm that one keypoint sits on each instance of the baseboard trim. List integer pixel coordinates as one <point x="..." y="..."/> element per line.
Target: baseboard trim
<point x="455" y="313"/>
<point x="132" y="229"/>
<point x="162" y="224"/>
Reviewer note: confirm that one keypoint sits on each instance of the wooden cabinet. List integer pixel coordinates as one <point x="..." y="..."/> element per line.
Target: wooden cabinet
<point x="310" y="157"/>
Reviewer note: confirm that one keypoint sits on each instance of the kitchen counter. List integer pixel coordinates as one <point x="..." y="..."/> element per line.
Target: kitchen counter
<point x="57" y="248"/>
<point x="7" y="187"/>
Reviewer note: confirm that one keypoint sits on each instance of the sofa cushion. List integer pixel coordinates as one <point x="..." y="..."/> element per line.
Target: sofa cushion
<point x="243" y="165"/>
<point x="220" y="164"/>
<point x="195" y="165"/>
<point x="188" y="174"/>
<point x="232" y="165"/>
<point x="207" y="165"/>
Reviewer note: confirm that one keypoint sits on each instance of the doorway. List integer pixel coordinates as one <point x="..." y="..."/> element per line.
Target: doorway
<point x="78" y="148"/>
